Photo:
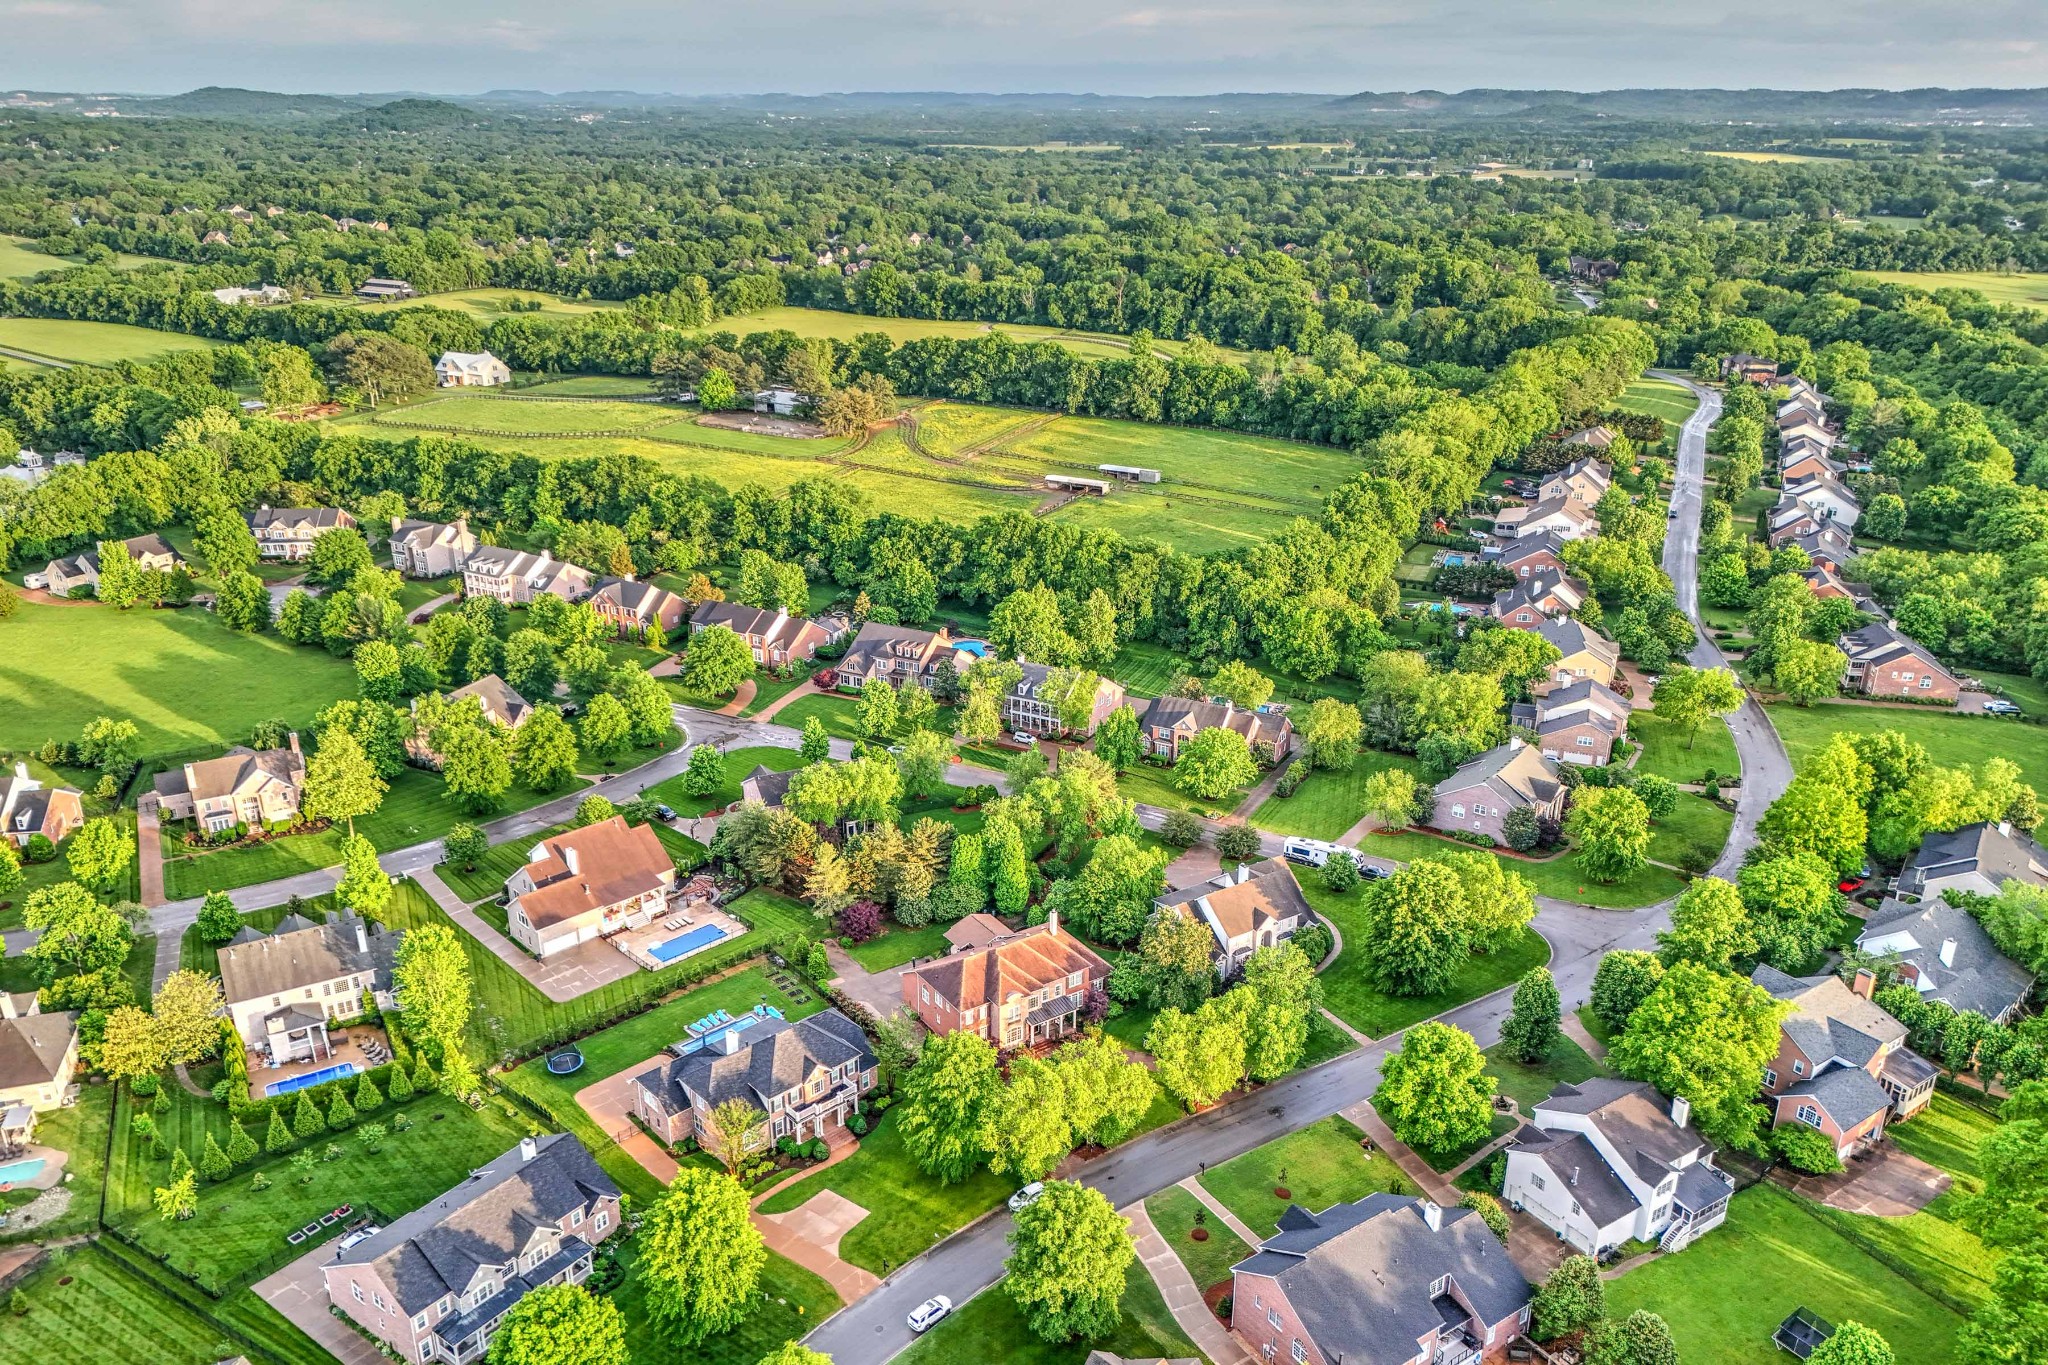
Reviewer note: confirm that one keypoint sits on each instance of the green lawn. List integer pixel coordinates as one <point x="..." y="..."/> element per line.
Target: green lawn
<point x="899" y="946"/>
<point x="81" y="1130"/>
<point x="1693" y="835"/>
<point x="1950" y="739"/>
<point x="1556" y="876"/>
<point x="109" y="1313"/>
<point x="1666" y="754"/>
<point x="1151" y="784"/>
<point x="1526" y="1083"/>
<point x="1331" y="801"/>
<point x="1145" y="669"/>
<point x="1319" y="1165"/>
<point x="907" y="1209"/>
<point x="1174" y="1212"/>
<point x="989" y="1330"/>
<point x="191" y="686"/>
<point x="1659" y="398"/>
<point x="1349" y="996"/>
<point x="836" y="712"/>
<point x="1995" y="285"/>
<point x="791" y="1301"/>
<point x="738" y="763"/>
<point x="94" y="343"/>
<point x="1725" y="1295"/>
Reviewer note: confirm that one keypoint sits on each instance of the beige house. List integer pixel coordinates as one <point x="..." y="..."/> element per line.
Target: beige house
<point x="241" y="787"/>
<point x="471" y="370"/>
<point x="284" y="988"/>
<point x="288" y="533"/>
<point x="1246" y="908"/>
<point x="1562" y="515"/>
<point x="28" y="808"/>
<point x="38" y="1053"/>
<point x="516" y="577"/>
<point x="1583" y="481"/>
<point x="430" y="549"/>
<point x="1479" y="795"/>
<point x="62" y="577"/>
<point x="588" y="883"/>
<point x="1586" y="653"/>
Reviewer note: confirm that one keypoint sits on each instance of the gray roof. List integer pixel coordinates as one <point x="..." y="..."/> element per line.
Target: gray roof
<point x="1580" y="1168"/>
<point x="1525" y="546"/>
<point x="1571" y="635"/>
<point x="1701" y="1185"/>
<point x="299" y="518"/>
<point x="1830" y="1020"/>
<point x="436" y="1249"/>
<point x="1359" y="1275"/>
<point x="767" y="785"/>
<point x="1996" y="851"/>
<point x="1849" y="1094"/>
<point x="301" y="953"/>
<point x="772" y="1058"/>
<point x="1978" y="976"/>
<point x="1633" y="1117"/>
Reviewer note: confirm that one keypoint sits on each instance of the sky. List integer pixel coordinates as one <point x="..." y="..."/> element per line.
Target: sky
<point x="1138" y="47"/>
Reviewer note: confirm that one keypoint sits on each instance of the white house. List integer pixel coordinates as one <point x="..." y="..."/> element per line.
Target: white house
<point x="1829" y="497"/>
<point x="781" y="402"/>
<point x="471" y="370"/>
<point x="1605" y="1162"/>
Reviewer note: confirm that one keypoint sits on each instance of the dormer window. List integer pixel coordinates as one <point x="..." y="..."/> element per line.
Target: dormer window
<point x="1441" y="1283"/>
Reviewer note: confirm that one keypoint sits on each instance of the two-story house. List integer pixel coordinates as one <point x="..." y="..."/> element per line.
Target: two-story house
<point x="1583" y="481"/>
<point x="1804" y="460"/>
<point x="1538" y="598"/>
<point x="431" y="549"/>
<point x="1245" y="908"/>
<point x="1530" y="555"/>
<point x="1942" y="951"/>
<point x="1826" y="545"/>
<point x="434" y="1284"/>
<point x="1583" y="653"/>
<point x="1479" y="795"/>
<point x="586" y="884"/>
<point x="632" y="606"/>
<point x="1027" y="707"/>
<point x="288" y="533"/>
<point x="774" y="636"/>
<point x="1170" y="722"/>
<point x="1017" y="990"/>
<point x="1745" y="368"/>
<point x="1607" y="1161"/>
<point x="242" y="787"/>
<point x="1884" y="663"/>
<point x="1390" y="1279"/>
<point x="62" y="577"/>
<point x="1829" y="497"/>
<point x="516" y="577"/>
<point x="38" y="1056"/>
<point x="898" y="655"/>
<point x="1978" y="858"/>
<point x="1575" y="723"/>
<point x="471" y="369"/>
<point x="1563" y="516"/>
<point x="28" y="808"/>
<point x="804" y="1078"/>
<point x="1842" y="1067"/>
<point x="284" y="988"/>
<point x="495" y="699"/>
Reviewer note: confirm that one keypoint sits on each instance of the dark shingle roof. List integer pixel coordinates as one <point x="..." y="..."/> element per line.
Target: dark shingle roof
<point x="1848" y="1094"/>
<point x="1978" y="977"/>
<point x="770" y="1059"/>
<point x="1996" y="851"/>
<point x="1584" y="1173"/>
<point x="302" y="953"/>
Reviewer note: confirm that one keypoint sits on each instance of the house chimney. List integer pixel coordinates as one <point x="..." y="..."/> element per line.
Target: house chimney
<point x="1514" y="742"/>
<point x="21" y="769"/>
<point x="1244" y="872"/>
<point x="528" y="1149"/>
<point x="1681" y="1110"/>
<point x="1948" y="952"/>
<point x="1574" y="1181"/>
<point x="2005" y="828"/>
<point x="362" y="936"/>
<point x="569" y="857"/>
<point x="1052" y="921"/>
<point x="727" y="1042"/>
<point x="1433" y="1214"/>
<point x="1865" y="983"/>
<point x="295" y="741"/>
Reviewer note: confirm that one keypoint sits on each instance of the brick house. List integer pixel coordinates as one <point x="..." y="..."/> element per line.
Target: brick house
<point x="1842" y="1066"/>
<point x="632" y="606"/>
<point x="1943" y="952"/>
<point x="773" y="635"/>
<point x="1017" y="990"/>
<point x="1391" y="1278"/>
<point x="1606" y="1161"/>
<point x="28" y="808"/>
<point x="1026" y="709"/>
<point x="898" y="655"/>
<point x="1806" y="463"/>
<point x="1576" y="723"/>
<point x="284" y="988"/>
<point x="1479" y="795"/>
<point x="1884" y="663"/>
<point x="288" y="533"/>
<point x="1246" y="908"/>
<point x="431" y="549"/>
<point x="434" y="1284"/>
<point x="516" y="577"/>
<point x="804" y="1078"/>
<point x="588" y="883"/>
<point x="1534" y="554"/>
<point x="1170" y="722"/>
<point x="1536" y="599"/>
<point x="242" y="787"/>
<point x="1584" y="653"/>
<point x="1748" y="369"/>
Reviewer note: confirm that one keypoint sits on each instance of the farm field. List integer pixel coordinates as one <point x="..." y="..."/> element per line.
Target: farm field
<point x="92" y="343"/>
<point x="494" y="303"/>
<point x="1995" y="285"/>
<point x="185" y="681"/>
<point x="1789" y="158"/>
<point x="19" y="260"/>
<point x="1950" y="739"/>
<point x="825" y="322"/>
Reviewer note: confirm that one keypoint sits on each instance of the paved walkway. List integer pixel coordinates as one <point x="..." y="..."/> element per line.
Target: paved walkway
<point x="806" y="688"/>
<point x="149" y="851"/>
<point x="1222" y="1215"/>
<point x="300" y="1293"/>
<point x="1578" y="1033"/>
<point x="1412" y="1165"/>
<point x="1183" y="1296"/>
<point x="560" y="976"/>
<point x="1889" y="1183"/>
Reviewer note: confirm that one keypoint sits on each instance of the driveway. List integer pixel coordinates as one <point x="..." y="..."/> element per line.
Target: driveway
<point x="1889" y="1183"/>
<point x="299" y="1292"/>
<point x="880" y="991"/>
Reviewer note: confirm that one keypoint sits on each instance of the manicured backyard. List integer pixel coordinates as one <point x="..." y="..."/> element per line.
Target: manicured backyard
<point x="789" y="1302"/>
<point x="1950" y="739"/>
<point x="103" y="1311"/>
<point x="989" y="1330"/>
<point x="1176" y="1214"/>
<point x="1319" y="1165"/>
<point x="899" y="946"/>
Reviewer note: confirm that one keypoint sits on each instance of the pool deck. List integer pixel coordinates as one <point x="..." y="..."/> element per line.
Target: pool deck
<point x="348" y="1047"/>
<point x="638" y="944"/>
<point x="48" y="1177"/>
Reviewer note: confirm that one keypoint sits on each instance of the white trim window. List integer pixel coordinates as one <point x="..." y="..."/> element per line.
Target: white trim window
<point x="601" y="1222"/>
<point x="1808" y="1115"/>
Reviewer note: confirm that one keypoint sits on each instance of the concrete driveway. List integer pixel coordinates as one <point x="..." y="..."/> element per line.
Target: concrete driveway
<point x="299" y="1292"/>
<point x="1888" y="1183"/>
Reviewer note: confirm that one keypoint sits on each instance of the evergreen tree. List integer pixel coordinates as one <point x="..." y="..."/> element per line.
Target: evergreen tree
<point x="306" y="1119"/>
<point x="278" y="1136"/>
<point x="213" y="1162"/>
<point x="1532" y="1027"/>
<point x="368" y="1097"/>
<point x="241" y="1147"/>
<point x="340" y="1114"/>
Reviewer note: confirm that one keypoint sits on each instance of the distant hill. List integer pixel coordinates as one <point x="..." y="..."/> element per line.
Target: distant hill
<point x="413" y="116"/>
<point x="221" y="101"/>
<point x="1928" y="105"/>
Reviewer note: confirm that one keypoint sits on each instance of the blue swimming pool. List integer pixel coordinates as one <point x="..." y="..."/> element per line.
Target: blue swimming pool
<point x="978" y="648"/>
<point x="311" y="1078"/>
<point x="14" y="1172"/>
<point x="1454" y="561"/>
<point x="703" y="936"/>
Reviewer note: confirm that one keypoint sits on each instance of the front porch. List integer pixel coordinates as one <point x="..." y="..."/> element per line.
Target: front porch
<point x="363" y="1045"/>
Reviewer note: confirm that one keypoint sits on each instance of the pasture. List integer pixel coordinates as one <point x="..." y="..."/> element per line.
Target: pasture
<point x="1787" y="158"/>
<point x="91" y="343"/>
<point x="491" y="304"/>
<point x="2029" y="291"/>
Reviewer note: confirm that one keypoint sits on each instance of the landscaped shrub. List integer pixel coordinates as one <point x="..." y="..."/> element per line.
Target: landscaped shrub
<point x="213" y="1162"/>
<point x="241" y="1147"/>
<point x="279" y="1135"/>
<point x="860" y="921"/>
<point x="818" y="1150"/>
<point x="1180" y="830"/>
<point x="39" y="849"/>
<point x="1473" y="837"/>
<point x="1314" y="940"/>
<point x="1291" y="780"/>
<point x="143" y="1085"/>
<point x="340" y="1113"/>
<point x="367" y="1095"/>
<point x="1805" y="1150"/>
<point x="1340" y="874"/>
<point x="259" y="1182"/>
<point x="857" y="1125"/>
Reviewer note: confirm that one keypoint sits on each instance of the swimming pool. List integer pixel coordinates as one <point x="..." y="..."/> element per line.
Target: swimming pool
<point x="14" y="1172"/>
<point x="978" y="648"/>
<point x="311" y="1078"/>
<point x="703" y="936"/>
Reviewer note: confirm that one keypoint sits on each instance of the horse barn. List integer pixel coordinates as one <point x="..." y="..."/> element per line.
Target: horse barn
<point x="1075" y="483"/>
<point x="1129" y="473"/>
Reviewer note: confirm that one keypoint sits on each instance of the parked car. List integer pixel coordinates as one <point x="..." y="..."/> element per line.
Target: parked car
<point x="1856" y="880"/>
<point x="358" y="1236"/>
<point x="1026" y="1197"/>
<point x="930" y="1313"/>
<point x="665" y="812"/>
<point x="1021" y="738"/>
<point x="1373" y="873"/>
<point x="1999" y="706"/>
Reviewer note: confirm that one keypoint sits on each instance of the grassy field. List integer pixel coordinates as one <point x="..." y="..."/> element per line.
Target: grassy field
<point x="19" y="261"/>
<point x="1659" y="398"/>
<point x="1793" y="158"/>
<point x="1995" y="285"/>
<point x="738" y="763"/>
<point x="1174" y="1212"/>
<point x="1331" y="801"/>
<point x="491" y="304"/>
<point x="989" y="1330"/>
<point x="821" y="322"/>
<point x="105" y="1311"/>
<point x="899" y="946"/>
<point x="1950" y="739"/>
<point x="93" y="343"/>
<point x="1526" y="1083"/>
<point x="1693" y="835"/>
<point x="1666" y="754"/>
<point x="1151" y="784"/>
<point x="907" y="1210"/>
<point x="82" y="1130"/>
<point x="1318" y="1166"/>
<point x="185" y="681"/>
<point x="1726" y="1294"/>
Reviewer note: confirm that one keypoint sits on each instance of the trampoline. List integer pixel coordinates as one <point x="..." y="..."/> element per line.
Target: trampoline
<point x="566" y="1062"/>
<point x="1802" y="1333"/>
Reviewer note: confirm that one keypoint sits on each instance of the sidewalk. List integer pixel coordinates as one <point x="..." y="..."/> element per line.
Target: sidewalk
<point x="1183" y="1296"/>
<point x="807" y="688"/>
<point x="1412" y="1166"/>
<point x="1578" y="1033"/>
<point x="1224" y="1216"/>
